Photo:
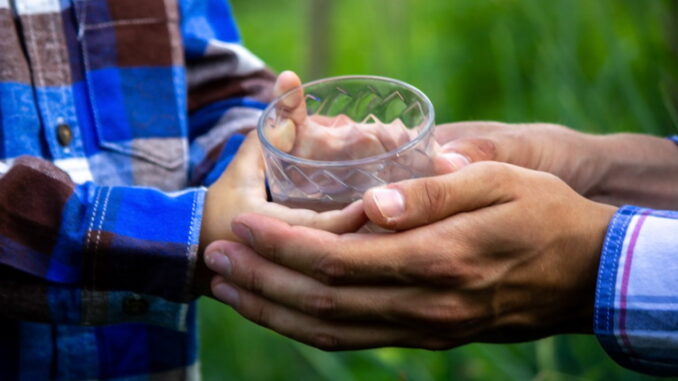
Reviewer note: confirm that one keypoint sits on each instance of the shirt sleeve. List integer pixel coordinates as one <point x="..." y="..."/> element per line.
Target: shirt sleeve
<point x="85" y="254"/>
<point x="228" y="86"/>
<point x="636" y="312"/>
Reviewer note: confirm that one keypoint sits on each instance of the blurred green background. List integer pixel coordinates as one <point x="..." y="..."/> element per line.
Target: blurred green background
<point x="594" y="65"/>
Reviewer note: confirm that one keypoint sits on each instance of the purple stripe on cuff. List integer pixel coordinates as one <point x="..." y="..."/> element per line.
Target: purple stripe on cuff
<point x="625" y="281"/>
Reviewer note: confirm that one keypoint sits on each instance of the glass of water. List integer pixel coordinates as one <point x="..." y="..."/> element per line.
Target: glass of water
<point x="327" y="142"/>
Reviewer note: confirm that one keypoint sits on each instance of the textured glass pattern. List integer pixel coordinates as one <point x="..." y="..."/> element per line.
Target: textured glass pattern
<point x="355" y="133"/>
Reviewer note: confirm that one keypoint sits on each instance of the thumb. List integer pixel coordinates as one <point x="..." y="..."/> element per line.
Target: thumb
<point x="422" y="201"/>
<point x="293" y="105"/>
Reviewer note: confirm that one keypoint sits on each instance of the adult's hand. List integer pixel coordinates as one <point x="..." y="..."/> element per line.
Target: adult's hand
<point x="506" y="254"/>
<point x="616" y="169"/>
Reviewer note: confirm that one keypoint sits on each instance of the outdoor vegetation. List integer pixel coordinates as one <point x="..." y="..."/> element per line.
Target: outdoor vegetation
<point x="599" y="66"/>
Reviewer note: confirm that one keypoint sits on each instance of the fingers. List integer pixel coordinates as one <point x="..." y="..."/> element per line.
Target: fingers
<point x="422" y="201"/>
<point x="319" y="333"/>
<point x="445" y="133"/>
<point x="419" y="256"/>
<point x="407" y="305"/>
<point x="247" y="172"/>
<point x="340" y="317"/>
<point x="330" y="258"/>
<point x="250" y="271"/>
<point x="346" y="220"/>
<point x="448" y="162"/>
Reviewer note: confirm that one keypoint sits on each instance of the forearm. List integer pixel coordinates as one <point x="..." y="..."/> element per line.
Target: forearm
<point x="634" y="169"/>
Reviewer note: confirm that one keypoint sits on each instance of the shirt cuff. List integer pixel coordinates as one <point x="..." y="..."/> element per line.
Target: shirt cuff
<point x="143" y="240"/>
<point x="673" y="138"/>
<point x="636" y="310"/>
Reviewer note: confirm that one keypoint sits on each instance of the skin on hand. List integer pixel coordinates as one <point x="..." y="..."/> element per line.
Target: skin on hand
<point x="490" y="253"/>
<point x="240" y="189"/>
<point x="605" y="168"/>
<point x="324" y="138"/>
<point x="566" y="153"/>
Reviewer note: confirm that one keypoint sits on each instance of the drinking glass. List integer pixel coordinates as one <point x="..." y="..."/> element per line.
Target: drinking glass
<point x="327" y="142"/>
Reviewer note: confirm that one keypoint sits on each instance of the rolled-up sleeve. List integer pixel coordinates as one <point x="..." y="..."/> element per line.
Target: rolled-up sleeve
<point x="636" y="312"/>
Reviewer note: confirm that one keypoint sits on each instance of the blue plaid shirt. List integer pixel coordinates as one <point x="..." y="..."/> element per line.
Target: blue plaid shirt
<point x="113" y="115"/>
<point x="110" y="110"/>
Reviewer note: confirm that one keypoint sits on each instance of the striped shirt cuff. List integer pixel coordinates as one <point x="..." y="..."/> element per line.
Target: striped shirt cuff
<point x="636" y="311"/>
<point x="144" y="240"/>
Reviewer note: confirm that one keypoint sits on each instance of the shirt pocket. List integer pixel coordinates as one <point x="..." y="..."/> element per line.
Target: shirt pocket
<point x="134" y="73"/>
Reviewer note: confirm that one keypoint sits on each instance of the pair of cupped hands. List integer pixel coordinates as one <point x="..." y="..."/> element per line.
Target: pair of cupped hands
<point x="502" y="245"/>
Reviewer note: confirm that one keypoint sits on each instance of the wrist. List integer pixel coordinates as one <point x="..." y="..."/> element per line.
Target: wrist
<point x="594" y="227"/>
<point x="625" y="161"/>
<point x="217" y="216"/>
<point x="596" y="165"/>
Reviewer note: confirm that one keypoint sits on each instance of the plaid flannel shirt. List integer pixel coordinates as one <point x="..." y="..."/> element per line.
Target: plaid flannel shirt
<point x="113" y="114"/>
<point x="109" y="111"/>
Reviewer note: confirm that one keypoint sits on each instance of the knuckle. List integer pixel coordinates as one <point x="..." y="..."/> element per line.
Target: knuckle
<point x="486" y="149"/>
<point x="432" y="195"/>
<point x="499" y="175"/>
<point x="260" y="316"/>
<point x="497" y="170"/>
<point x="549" y="178"/>
<point x="320" y="304"/>
<point x="331" y="269"/>
<point x="325" y="342"/>
<point x="269" y="248"/>
<point x="254" y="282"/>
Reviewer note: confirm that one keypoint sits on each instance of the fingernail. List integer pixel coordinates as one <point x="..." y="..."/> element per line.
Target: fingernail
<point x="226" y="294"/>
<point x="218" y="262"/>
<point x="457" y="160"/>
<point x="390" y="202"/>
<point x="243" y="232"/>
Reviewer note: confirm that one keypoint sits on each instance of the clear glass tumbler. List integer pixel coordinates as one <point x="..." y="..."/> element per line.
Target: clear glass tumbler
<point x="327" y="142"/>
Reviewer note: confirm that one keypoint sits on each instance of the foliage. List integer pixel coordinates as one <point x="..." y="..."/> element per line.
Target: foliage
<point x="598" y="66"/>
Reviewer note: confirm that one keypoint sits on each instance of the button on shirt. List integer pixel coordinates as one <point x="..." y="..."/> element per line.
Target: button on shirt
<point x="113" y="114"/>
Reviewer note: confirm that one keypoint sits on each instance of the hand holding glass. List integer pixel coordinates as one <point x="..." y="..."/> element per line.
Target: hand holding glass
<point x="325" y="143"/>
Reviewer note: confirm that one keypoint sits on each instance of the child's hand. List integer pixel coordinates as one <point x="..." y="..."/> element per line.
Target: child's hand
<point x="324" y="138"/>
<point x="241" y="188"/>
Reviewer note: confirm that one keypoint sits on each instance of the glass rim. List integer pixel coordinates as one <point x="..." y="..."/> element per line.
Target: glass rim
<point x="365" y="160"/>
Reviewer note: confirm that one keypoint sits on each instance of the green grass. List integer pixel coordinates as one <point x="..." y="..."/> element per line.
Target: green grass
<point x="595" y="65"/>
